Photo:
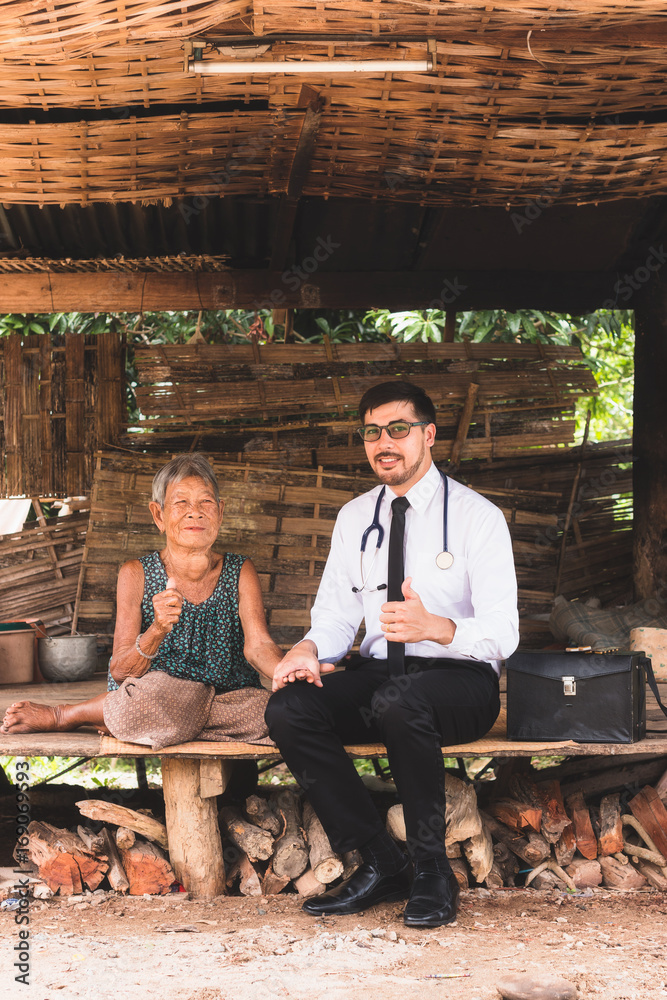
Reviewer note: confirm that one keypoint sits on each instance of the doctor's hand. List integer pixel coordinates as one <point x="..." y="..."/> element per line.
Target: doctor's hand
<point x="300" y="664"/>
<point x="409" y="621"/>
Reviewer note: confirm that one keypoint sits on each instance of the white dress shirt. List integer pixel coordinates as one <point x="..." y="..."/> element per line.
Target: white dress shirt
<point x="478" y="592"/>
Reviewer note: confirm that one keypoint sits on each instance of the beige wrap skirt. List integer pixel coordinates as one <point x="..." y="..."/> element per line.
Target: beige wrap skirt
<point x="158" y="710"/>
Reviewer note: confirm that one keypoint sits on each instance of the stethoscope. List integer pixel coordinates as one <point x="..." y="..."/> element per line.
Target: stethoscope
<point x="443" y="560"/>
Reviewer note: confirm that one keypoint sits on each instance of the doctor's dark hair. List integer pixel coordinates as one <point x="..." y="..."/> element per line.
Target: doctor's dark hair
<point x="397" y="391"/>
<point x="180" y="468"/>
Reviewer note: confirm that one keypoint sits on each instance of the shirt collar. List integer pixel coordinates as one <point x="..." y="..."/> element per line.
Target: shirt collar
<point x="423" y="491"/>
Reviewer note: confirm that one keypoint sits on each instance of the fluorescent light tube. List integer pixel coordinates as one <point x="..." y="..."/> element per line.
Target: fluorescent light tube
<point x="236" y="67"/>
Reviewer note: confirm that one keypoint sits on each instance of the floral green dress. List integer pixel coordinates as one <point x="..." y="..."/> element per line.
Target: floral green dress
<point x="206" y="644"/>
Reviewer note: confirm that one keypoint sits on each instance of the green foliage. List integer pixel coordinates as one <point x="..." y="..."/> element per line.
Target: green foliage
<point x="119" y="772"/>
<point x="490" y="325"/>
<point x="343" y="326"/>
<point x="607" y="341"/>
<point x="113" y="772"/>
<point x="414" y="324"/>
<point x="27" y="323"/>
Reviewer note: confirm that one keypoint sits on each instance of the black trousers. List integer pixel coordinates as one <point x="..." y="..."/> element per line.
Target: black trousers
<point x="435" y="703"/>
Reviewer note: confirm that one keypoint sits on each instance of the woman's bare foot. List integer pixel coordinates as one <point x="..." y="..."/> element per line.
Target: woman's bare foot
<point x="27" y="717"/>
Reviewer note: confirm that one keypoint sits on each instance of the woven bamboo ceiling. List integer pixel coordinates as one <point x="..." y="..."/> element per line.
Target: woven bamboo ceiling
<point x="531" y="106"/>
<point x="524" y="96"/>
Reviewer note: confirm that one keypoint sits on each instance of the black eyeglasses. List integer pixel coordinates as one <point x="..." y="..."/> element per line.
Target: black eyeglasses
<point x="396" y="429"/>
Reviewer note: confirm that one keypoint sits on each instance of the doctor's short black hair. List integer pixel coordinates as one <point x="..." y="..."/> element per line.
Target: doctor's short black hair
<point x="397" y="391"/>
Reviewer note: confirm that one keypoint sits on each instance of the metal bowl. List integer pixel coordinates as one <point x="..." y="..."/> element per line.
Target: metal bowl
<point x="67" y="657"/>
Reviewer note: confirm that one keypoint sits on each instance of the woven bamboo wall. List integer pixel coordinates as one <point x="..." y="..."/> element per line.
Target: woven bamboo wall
<point x="598" y="554"/>
<point x="61" y="398"/>
<point x="597" y="558"/>
<point x="39" y="571"/>
<point x="494" y="433"/>
<point x="277" y="403"/>
<point x="283" y="520"/>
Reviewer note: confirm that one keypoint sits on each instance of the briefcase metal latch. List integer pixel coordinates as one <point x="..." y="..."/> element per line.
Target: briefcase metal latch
<point x="569" y="685"/>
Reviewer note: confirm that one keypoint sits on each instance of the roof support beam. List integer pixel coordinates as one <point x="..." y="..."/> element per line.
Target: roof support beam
<point x="566" y="291"/>
<point x="289" y="202"/>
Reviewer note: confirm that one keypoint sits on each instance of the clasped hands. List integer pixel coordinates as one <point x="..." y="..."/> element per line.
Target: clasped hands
<point x="401" y="621"/>
<point x="300" y="664"/>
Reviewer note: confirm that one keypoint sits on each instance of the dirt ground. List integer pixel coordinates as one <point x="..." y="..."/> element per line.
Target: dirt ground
<point x="101" y="946"/>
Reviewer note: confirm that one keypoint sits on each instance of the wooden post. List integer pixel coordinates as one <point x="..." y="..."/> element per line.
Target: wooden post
<point x="195" y="847"/>
<point x="450" y="326"/>
<point x="464" y="424"/>
<point x="650" y="443"/>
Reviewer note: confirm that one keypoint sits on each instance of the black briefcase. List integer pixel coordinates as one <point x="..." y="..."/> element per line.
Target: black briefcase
<point x="585" y="697"/>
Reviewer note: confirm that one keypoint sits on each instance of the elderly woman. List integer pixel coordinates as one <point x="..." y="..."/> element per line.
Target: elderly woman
<point x="191" y="639"/>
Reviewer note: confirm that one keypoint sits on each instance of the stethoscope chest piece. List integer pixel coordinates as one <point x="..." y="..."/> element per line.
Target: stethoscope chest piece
<point x="444" y="560"/>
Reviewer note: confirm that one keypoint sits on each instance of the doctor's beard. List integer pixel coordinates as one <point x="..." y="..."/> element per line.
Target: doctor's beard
<point x="400" y="474"/>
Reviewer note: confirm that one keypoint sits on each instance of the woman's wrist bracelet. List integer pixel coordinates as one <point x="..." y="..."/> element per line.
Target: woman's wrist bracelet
<point x="147" y="656"/>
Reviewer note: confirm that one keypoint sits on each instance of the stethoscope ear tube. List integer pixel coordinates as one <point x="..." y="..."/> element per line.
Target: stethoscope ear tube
<point x="443" y="560"/>
<point x="374" y="526"/>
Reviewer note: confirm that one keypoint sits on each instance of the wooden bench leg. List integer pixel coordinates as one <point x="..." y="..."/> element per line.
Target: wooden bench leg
<point x="214" y="775"/>
<point x="195" y="848"/>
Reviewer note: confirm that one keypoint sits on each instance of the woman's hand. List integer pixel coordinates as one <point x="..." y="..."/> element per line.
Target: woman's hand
<point x="300" y="664"/>
<point x="167" y="606"/>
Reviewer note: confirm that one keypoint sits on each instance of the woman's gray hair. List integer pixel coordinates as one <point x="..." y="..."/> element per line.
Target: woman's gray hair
<point x="180" y="468"/>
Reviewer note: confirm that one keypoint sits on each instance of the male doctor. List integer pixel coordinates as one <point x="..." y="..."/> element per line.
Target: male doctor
<point x="436" y="586"/>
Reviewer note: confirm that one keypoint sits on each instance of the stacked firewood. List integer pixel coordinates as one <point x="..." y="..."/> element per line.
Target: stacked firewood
<point x="519" y="830"/>
<point x="130" y="853"/>
<point x="276" y="841"/>
<point x="545" y="833"/>
<point x="571" y="827"/>
<point x="270" y="843"/>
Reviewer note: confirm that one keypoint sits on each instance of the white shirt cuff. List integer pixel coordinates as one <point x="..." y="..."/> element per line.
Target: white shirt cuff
<point x="466" y="636"/>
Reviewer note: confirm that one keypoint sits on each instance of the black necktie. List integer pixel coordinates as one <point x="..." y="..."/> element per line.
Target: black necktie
<point x="395" y="576"/>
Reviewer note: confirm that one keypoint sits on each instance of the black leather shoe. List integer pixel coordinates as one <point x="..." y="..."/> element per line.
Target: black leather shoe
<point x="433" y="900"/>
<point x="363" y="889"/>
